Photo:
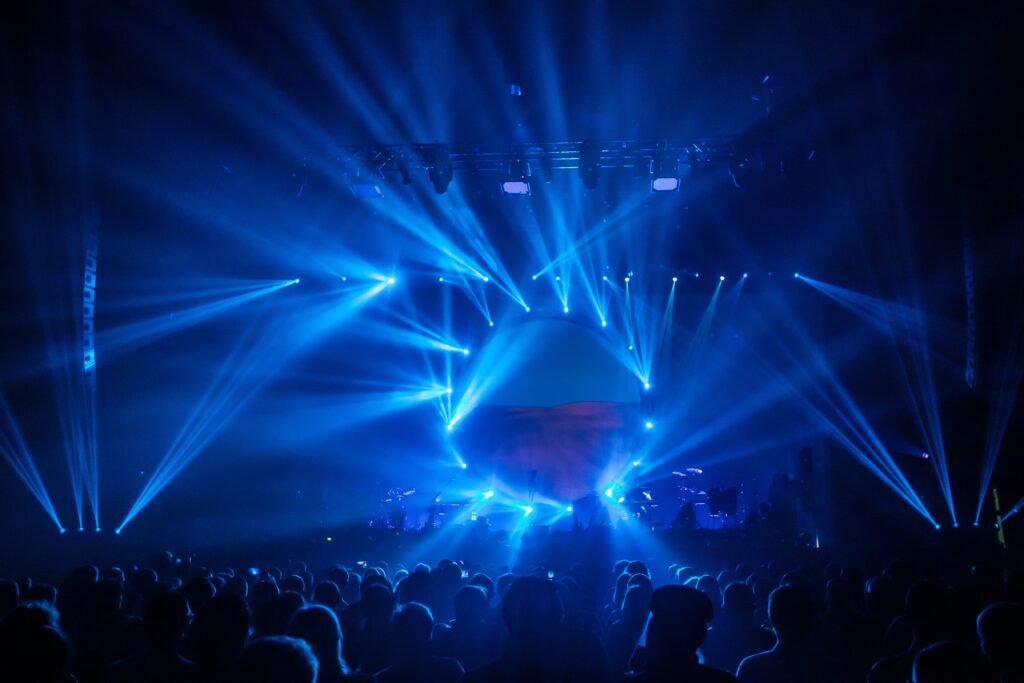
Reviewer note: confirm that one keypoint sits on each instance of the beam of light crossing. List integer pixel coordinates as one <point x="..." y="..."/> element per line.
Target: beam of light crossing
<point x="16" y="453"/>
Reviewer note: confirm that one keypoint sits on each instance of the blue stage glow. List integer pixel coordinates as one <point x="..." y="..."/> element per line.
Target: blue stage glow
<point x="636" y="463"/>
<point x="648" y="425"/>
<point x="565" y="309"/>
<point x="528" y="510"/>
<point x="489" y="493"/>
<point x="391" y="280"/>
<point x="721" y="278"/>
<point x="744" y="275"/>
<point x="675" y="279"/>
<point x="647" y="386"/>
<point x="796" y="274"/>
<point x="604" y="323"/>
<point x="568" y="508"/>
<point x="609" y="492"/>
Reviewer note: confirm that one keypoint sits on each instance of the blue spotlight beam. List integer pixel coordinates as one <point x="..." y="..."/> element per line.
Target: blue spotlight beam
<point x="907" y="329"/>
<point x="141" y="332"/>
<point x="16" y="454"/>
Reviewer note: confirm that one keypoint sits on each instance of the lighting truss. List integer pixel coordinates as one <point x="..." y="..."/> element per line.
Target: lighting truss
<point x="486" y="158"/>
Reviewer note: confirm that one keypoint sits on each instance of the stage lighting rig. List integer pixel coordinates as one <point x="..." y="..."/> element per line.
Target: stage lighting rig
<point x="439" y="169"/>
<point x="590" y="164"/>
<point x="516" y="178"/>
<point x="665" y="171"/>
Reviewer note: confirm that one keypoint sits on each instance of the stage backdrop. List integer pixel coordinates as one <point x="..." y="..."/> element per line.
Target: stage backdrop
<point x="565" y="418"/>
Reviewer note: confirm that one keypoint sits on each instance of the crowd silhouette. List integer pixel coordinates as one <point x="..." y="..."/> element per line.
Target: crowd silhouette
<point x="173" y="622"/>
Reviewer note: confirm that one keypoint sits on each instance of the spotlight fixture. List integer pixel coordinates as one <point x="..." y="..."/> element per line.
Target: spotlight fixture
<point x="391" y="281"/>
<point x="565" y="309"/>
<point x="439" y="169"/>
<point x="516" y="178"/>
<point x="664" y="171"/>
<point x="568" y="508"/>
<point x="590" y="164"/>
<point x="796" y="275"/>
<point x="675" y="279"/>
<point x="721" y="278"/>
<point x="744" y="276"/>
<point x="604" y="323"/>
<point x="488" y="494"/>
<point x="647" y="386"/>
<point x="648" y="425"/>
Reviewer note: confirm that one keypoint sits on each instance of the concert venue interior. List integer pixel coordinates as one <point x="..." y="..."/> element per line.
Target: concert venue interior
<point x="351" y="282"/>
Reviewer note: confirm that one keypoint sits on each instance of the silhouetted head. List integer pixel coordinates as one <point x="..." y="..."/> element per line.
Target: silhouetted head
<point x="41" y="592"/>
<point x="318" y="626"/>
<point x="636" y="603"/>
<point x="414" y="588"/>
<point x="273" y="617"/>
<point x="378" y="603"/>
<point x="738" y="601"/>
<point x="164" y="620"/>
<point x="276" y="659"/>
<point x="327" y="594"/>
<point x="263" y="592"/>
<point x="679" y="622"/>
<point x="708" y="585"/>
<point x="220" y="630"/>
<point x="1001" y="632"/>
<point x="339" y="576"/>
<point x="295" y="583"/>
<point x="198" y="590"/>
<point x="469" y="606"/>
<point x="637" y="567"/>
<point x="483" y="581"/>
<point x="531" y="610"/>
<point x="840" y="597"/>
<point x="412" y="626"/>
<point x="951" y="662"/>
<point x="39" y="653"/>
<point x="791" y="611"/>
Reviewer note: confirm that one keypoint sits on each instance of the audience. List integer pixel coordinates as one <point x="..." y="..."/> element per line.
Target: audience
<point x="173" y="622"/>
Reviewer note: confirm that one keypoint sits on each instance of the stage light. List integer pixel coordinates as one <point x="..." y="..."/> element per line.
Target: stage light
<point x="649" y="425"/>
<point x="558" y="278"/>
<point x="64" y="531"/>
<point x="391" y="281"/>
<point x="665" y="172"/>
<point x="295" y="281"/>
<point x="696" y="274"/>
<point x="565" y="309"/>
<point x="448" y="390"/>
<point x="796" y="274"/>
<point x="609" y="492"/>
<point x="636" y="463"/>
<point x="517" y="177"/>
<point x="451" y="425"/>
<point x="744" y="275"/>
<point x="534" y="277"/>
<point x="568" y="508"/>
<point x="721" y="278"/>
<point x="647" y="386"/>
<point x="463" y="465"/>
<point x="81" y="529"/>
<point x="330" y="539"/>
<point x="527" y="308"/>
<point x="626" y="279"/>
<point x="925" y="456"/>
<point x="364" y="187"/>
<point x="465" y="352"/>
<point x="486" y="279"/>
<point x="491" y="323"/>
<point x="630" y="347"/>
<point x="488" y="494"/>
<point x="98" y="529"/>
<point x="527" y="510"/>
<point x="440" y="279"/>
<point x="622" y="499"/>
<point x="117" y="532"/>
<point x="604" y="323"/>
<point x="440" y="170"/>
<point x="590" y="164"/>
<point x="344" y="279"/>
<point x="675" y="279"/>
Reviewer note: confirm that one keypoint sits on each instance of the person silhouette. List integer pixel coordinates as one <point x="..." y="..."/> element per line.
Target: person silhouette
<point x="413" y="625"/>
<point x="539" y="648"/>
<point x="796" y="655"/>
<point x="276" y="659"/>
<point x="677" y="627"/>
